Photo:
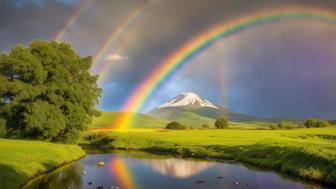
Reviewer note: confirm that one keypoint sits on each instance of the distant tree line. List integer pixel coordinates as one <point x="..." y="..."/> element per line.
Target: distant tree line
<point x="309" y="123"/>
<point x="46" y="92"/>
<point x="220" y="123"/>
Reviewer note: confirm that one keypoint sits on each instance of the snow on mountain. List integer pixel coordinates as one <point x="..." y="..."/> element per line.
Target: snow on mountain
<point x="188" y="99"/>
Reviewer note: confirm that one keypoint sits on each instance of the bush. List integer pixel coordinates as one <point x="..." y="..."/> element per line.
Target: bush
<point x="205" y="126"/>
<point x="175" y="126"/>
<point x="287" y="125"/>
<point x="221" y="123"/>
<point x="313" y="122"/>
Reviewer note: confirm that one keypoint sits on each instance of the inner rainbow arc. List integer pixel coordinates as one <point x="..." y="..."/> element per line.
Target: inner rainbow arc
<point x="176" y="60"/>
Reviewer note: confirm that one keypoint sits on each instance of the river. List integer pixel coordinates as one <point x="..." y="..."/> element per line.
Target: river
<point x="137" y="170"/>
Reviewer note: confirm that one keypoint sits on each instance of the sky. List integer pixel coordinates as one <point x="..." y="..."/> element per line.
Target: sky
<point x="284" y="69"/>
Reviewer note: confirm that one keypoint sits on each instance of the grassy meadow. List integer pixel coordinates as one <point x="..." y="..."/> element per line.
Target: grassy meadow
<point x="189" y="119"/>
<point x="306" y="153"/>
<point x="21" y="160"/>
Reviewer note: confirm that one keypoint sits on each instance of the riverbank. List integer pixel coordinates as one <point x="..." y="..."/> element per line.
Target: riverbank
<point x="22" y="160"/>
<point x="306" y="153"/>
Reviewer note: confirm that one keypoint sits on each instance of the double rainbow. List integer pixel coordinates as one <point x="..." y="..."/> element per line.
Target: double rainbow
<point x="165" y="71"/>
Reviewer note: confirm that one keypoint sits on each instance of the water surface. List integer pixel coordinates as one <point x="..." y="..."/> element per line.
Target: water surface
<point x="147" y="171"/>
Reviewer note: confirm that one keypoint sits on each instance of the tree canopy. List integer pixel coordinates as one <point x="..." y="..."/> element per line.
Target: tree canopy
<point x="175" y="126"/>
<point x="46" y="91"/>
<point x="221" y="123"/>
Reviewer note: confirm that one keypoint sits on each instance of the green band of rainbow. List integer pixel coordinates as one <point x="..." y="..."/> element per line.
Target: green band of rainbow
<point x="175" y="61"/>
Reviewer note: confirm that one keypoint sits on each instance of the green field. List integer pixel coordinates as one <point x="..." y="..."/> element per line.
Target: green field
<point x="189" y="119"/>
<point x="107" y="119"/>
<point x="21" y="160"/>
<point x="306" y="153"/>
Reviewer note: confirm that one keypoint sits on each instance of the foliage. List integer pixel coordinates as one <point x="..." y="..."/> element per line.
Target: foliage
<point x="306" y="153"/>
<point x="3" y="130"/>
<point x="206" y="126"/>
<point x="313" y="122"/>
<point x="175" y="126"/>
<point x="285" y="125"/>
<point x="221" y="123"/>
<point x="22" y="160"/>
<point x="47" y="92"/>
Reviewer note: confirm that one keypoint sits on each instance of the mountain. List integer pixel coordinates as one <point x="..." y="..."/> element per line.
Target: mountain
<point x="192" y="107"/>
<point x="189" y="100"/>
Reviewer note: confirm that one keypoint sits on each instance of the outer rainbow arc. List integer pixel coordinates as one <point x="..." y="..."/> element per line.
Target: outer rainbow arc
<point x="116" y="34"/>
<point x="175" y="61"/>
<point x="71" y="20"/>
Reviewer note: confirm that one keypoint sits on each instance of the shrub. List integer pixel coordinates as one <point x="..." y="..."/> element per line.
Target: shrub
<point x="287" y="125"/>
<point x="221" y="123"/>
<point x="175" y="126"/>
<point x="205" y="126"/>
<point x="313" y="122"/>
<point x="273" y="126"/>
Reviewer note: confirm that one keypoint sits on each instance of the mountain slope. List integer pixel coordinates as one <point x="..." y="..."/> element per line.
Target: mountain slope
<point x="107" y="119"/>
<point x="193" y="103"/>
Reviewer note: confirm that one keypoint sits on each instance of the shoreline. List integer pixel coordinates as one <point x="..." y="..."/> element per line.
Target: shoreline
<point x="42" y="174"/>
<point x="306" y="154"/>
<point x="23" y="160"/>
<point x="209" y="158"/>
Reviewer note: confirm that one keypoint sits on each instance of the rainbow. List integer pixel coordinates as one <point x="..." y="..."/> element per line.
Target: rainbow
<point x="118" y="32"/>
<point x="72" y="20"/>
<point x="118" y="167"/>
<point x="175" y="61"/>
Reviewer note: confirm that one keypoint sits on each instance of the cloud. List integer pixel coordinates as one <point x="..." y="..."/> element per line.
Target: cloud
<point x="115" y="57"/>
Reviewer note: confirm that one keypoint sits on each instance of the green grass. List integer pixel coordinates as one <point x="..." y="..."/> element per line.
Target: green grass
<point x="189" y="119"/>
<point x="107" y="119"/>
<point x="22" y="160"/>
<point x="306" y="153"/>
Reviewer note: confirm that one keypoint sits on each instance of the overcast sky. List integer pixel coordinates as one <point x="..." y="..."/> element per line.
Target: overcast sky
<point x="285" y="69"/>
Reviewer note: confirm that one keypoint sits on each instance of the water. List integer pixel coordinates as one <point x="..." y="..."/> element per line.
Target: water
<point x="147" y="171"/>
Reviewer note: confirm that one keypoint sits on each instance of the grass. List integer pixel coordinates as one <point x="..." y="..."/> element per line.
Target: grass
<point x="189" y="119"/>
<point x="22" y="160"/>
<point x="306" y="153"/>
<point x="107" y="119"/>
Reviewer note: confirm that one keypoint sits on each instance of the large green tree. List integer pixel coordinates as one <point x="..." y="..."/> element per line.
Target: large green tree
<point x="47" y="92"/>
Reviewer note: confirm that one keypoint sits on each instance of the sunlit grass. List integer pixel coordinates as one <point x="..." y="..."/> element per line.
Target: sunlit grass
<point x="21" y="160"/>
<point x="307" y="153"/>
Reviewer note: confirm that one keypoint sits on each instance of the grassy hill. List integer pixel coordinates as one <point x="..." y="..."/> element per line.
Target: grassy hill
<point x="20" y="160"/>
<point x="190" y="119"/>
<point x="208" y="112"/>
<point x="107" y="119"/>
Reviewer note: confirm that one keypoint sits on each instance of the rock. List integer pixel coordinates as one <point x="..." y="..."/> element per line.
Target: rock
<point x="101" y="163"/>
<point x="200" y="181"/>
<point x="84" y="172"/>
<point x="236" y="183"/>
<point x="114" y="187"/>
<point x="219" y="177"/>
<point x="100" y="187"/>
<point x="89" y="183"/>
<point x="248" y="184"/>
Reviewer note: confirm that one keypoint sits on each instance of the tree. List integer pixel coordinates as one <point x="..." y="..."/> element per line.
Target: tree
<point x="313" y="122"/>
<point x="221" y="123"/>
<point x="47" y="92"/>
<point x="2" y="128"/>
<point x="175" y="126"/>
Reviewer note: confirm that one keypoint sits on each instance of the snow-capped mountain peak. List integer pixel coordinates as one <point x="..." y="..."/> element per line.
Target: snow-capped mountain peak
<point x="188" y="99"/>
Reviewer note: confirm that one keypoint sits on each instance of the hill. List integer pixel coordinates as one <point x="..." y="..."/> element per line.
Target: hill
<point x="107" y="119"/>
